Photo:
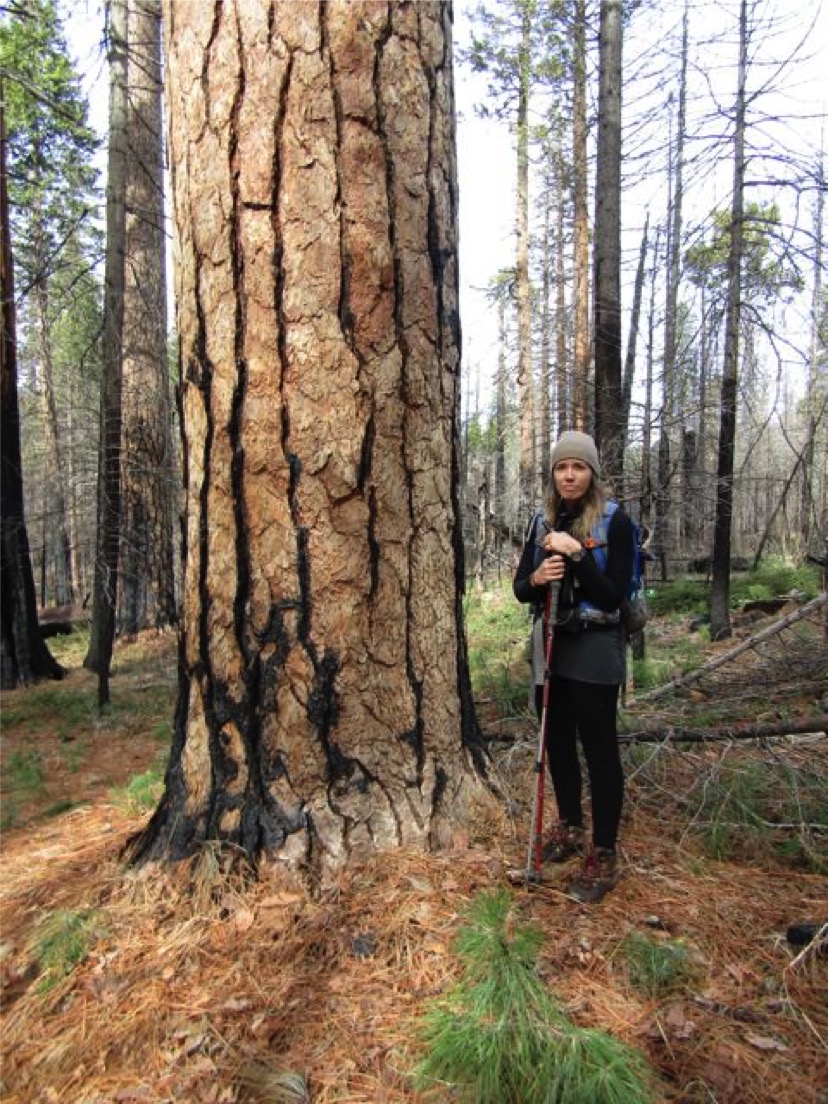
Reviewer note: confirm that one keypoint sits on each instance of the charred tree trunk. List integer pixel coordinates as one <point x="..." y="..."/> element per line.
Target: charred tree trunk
<point x="54" y="497"/>
<point x="24" y="656"/>
<point x="324" y="704"/>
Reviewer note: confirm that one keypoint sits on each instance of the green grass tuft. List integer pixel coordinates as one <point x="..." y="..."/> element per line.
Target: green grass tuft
<point x="24" y="771"/>
<point x="143" y="791"/>
<point x="63" y="940"/>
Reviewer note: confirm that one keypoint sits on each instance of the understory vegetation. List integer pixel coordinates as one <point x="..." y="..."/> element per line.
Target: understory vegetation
<point x="517" y="1000"/>
<point x="737" y="798"/>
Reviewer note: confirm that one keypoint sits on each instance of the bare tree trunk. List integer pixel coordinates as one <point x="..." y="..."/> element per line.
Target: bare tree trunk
<point x="102" y="635"/>
<point x="527" y="467"/>
<point x="501" y="413"/>
<point x="24" y="656"/>
<point x="683" y="681"/>
<point x="721" y="559"/>
<point x="581" y="228"/>
<point x="661" y="501"/>
<point x="607" y="246"/>
<point x="701" y="511"/>
<point x="324" y="705"/>
<point x="482" y="532"/>
<point x="630" y="357"/>
<point x="672" y="443"/>
<point x="564" y="378"/>
<point x="688" y="519"/>
<point x="646" y="490"/>
<point x="545" y="374"/>
<point x="147" y="596"/>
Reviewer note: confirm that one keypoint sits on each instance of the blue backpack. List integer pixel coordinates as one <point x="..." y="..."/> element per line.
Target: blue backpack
<point x="633" y="612"/>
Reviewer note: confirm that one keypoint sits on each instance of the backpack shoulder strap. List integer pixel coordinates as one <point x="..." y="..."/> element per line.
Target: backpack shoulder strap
<point x="598" y="535"/>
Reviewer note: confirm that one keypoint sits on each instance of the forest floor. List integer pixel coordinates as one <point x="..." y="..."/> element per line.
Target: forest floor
<point x="190" y="985"/>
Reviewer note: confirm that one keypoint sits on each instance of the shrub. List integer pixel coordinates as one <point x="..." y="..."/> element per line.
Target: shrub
<point x="500" y="1037"/>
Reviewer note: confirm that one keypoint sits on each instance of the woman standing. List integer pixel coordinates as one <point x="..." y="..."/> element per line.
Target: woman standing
<point x="588" y="544"/>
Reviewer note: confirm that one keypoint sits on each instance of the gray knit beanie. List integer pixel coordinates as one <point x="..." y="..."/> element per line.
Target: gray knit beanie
<point x="574" y="445"/>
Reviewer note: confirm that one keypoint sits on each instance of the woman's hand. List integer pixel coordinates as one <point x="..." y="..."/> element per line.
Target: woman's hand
<point x="549" y="570"/>
<point x="561" y="543"/>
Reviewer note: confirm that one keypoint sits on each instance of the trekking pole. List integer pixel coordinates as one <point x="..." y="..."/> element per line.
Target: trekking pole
<point x="533" y="870"/>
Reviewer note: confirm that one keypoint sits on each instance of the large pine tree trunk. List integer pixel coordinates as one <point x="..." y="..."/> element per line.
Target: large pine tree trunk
<point x="147" y="597"/>
<point x="324" y="705"/>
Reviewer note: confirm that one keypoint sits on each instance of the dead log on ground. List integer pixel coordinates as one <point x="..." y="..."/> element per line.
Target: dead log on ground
<point x="675" y="734"/>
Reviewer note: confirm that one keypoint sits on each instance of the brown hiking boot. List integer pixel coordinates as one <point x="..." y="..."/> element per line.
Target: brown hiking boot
<point x="598" y="876"/>
<point x="562" y="843"/>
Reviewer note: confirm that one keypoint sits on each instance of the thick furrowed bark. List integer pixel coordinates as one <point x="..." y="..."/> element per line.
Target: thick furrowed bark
<point x="325" y="701"/>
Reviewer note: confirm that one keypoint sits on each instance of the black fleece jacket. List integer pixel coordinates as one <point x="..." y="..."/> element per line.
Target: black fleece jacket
<point x="605" y="589"/>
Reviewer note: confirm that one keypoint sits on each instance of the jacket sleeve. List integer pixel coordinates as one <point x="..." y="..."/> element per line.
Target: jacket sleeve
<point x="607" y="589"/>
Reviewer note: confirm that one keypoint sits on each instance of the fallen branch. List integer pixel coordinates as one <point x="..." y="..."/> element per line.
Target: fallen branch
<point x="732" y="653"/>
<point x="805" y="726"/>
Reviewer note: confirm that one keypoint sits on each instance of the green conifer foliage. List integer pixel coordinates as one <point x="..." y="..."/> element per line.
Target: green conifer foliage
<point x="500" y="1036"/>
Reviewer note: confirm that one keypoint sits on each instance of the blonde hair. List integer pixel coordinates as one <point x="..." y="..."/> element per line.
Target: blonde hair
<point x="593" y="506"/>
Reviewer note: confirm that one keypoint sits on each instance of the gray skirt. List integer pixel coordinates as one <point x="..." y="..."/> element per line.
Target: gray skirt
<point x="591" y="655"/>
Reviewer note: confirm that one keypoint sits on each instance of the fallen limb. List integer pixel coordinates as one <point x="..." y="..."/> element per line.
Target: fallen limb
<point x="674" y="734"/>
<point x="732" y="653"/>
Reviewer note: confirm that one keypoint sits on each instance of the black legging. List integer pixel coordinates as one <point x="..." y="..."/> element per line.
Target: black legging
<point x="588" y="711"/>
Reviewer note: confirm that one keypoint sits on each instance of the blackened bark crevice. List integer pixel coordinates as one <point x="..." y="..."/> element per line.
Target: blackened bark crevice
<point x="370" y="498"/>
<point x="344" y="311"/>
<point x="262" y="824"/>
<point x="442" y="259"/>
